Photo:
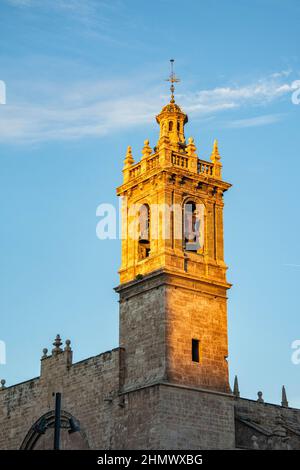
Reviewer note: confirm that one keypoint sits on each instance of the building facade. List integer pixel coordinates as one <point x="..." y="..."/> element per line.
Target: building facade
<point x="166" y="386"/>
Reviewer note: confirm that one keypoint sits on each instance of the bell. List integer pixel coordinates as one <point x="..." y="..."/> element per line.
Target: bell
<point x="143" y="240"/>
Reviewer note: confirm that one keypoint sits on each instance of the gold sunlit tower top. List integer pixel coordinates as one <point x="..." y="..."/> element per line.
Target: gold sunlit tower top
<point x="170" y="174"/>
<point x="189" y="271"/>
<point x="171" y="119"/>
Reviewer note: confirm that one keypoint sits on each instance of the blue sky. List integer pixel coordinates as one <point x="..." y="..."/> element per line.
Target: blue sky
<point x="84" y="80"/>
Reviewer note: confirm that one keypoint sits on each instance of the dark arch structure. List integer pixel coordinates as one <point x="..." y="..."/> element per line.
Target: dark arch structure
<point x="45" y="424"/>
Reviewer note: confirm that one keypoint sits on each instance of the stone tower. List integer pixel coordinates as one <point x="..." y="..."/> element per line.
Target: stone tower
<point x="173" y="303"/>
<point x="166" y="386"/>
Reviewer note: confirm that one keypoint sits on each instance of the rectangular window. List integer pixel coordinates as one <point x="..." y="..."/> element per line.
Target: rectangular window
<point x="195" y="350"/>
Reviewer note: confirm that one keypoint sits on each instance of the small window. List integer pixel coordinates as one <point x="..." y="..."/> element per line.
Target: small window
<point x="195" y="350"/>
<point x="170" y="126"/>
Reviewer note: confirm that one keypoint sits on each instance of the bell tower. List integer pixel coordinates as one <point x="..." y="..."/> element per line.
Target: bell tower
<point x="173" y="287"/>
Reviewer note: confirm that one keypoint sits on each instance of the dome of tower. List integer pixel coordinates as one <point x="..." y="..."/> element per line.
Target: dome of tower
<point x="172" y="108"/>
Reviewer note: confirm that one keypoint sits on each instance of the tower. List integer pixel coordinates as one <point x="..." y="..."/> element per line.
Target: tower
<point x="173" y="302"/>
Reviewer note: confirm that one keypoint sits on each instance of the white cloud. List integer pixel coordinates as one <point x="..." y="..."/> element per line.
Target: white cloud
<point x="255" y="121"/>
<point x="259" y="93"/>
<point x="99" y="108"/>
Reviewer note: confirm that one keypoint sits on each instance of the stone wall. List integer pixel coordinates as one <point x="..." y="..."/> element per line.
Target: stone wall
<point x="195" y="419"/>
<point x="266" y="426"/>
<point x="138" y="421"/>
<point x="87" y="388"/>
<point x="161" y="415"/>
<point x="142" y="331"/>
<point x="160" y="314"/>
<point x="158" y="416"/>
<point x="196" y="310"/>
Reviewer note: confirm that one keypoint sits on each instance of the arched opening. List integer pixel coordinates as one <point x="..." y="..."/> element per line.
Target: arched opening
<point x="193" y="226"/>
<point x="41" y="434"/>
<point x="178" y="126"/>
<point x="144" y="232"/>
<point x="170" y="126"/>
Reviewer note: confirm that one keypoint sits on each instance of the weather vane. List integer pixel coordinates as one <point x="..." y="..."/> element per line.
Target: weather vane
<point x="172" y="79"/>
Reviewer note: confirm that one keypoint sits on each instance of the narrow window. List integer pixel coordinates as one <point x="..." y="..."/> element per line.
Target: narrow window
<point x="144" y="229"/>
<point x="170" y="126"/>
<point x="191" y="227"/>
<point x="195" y="350"/>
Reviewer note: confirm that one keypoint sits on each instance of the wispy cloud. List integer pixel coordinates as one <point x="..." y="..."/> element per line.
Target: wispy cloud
<point x="98" y="108"/>
<point x="71" y="5"/>
<point x="255" y="121"/>
<point x="20" y="3"/>
<point x="76" y="8"/>
<point x="96" y="19"/>
<point x="261" y="92"/>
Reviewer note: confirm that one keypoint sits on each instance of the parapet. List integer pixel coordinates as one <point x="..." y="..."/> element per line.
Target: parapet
<point x="59" y="362"/>
<point x="265" y="426"/>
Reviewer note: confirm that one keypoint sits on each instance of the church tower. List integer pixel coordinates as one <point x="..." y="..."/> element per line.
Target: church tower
<point x="173" y="301"/>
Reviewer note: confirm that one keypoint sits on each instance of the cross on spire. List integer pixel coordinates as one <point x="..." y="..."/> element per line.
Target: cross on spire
<point x="172" y="79"/>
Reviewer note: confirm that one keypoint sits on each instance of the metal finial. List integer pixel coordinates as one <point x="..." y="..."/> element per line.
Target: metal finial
<point x="172" y="79"/>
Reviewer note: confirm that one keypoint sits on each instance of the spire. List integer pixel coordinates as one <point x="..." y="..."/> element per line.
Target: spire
<point x="146" y="152"/>
<point x="128" y="161"/>
<point x="236" y="390"/>
<point x="284" y="401"/>
<point x="172" y="79"/>
<point x="215" y="156"/>
<point x="191" y="147"/>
